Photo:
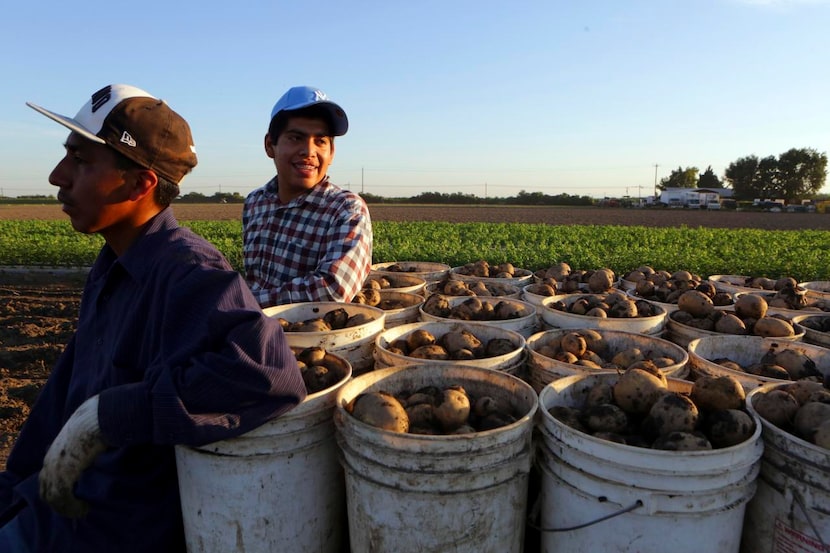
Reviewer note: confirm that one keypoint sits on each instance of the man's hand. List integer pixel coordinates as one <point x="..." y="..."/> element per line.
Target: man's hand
<point x="76" y="447"/>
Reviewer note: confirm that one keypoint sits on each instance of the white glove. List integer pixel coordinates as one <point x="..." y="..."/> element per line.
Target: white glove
<point x="77" y="445"/>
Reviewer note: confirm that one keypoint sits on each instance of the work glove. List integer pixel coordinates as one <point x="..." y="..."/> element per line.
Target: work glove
<point x="77" y="445"/>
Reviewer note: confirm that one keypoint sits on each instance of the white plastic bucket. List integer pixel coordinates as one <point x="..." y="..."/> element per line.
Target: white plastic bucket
<point x="790" y="513"/>
<point x="811" y="335"/>
<point x="279" y="487"/>
<point x="598" y="495"/>
<point x="399" y="282"/>
<point x="520" y="277"/>
<point x="356" y="344"/>
<point x="412" y="493"/>
<point x="562" y="319"/>
<point x="745" y="351"/>
<point x="681" y="334"/>
<point x="409" y="312"/>
<point x="542" y="370"/>
<point x="526" y="325"/>
<point x="511" y="362"/>
<point x="428" y="270"/>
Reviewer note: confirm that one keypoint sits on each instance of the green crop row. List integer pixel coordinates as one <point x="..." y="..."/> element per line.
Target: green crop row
<point x="803" y="254"/>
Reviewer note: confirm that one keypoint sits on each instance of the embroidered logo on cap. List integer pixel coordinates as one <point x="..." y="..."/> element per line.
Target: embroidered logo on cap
<point x="127" y="139"/>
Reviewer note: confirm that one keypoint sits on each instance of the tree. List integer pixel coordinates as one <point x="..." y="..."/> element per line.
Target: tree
<point x="797" y="173"/>
<point x="708" y="179"/>
<point x="680" y="178"/>
<point x="741" y="176"/>
<point x="801" y="172"/>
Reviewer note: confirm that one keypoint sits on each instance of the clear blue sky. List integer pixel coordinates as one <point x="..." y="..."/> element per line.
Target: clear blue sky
<point x="472" y="96"/>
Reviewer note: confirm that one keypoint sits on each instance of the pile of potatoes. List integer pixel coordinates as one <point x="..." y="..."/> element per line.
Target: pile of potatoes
<point x="665" y="287"/>
<point x="336" y="319"/>
<point x="820" y="324"/>
<point x="432" y="410"/>
<point x="561" y="279"/>
<point x="378" y="282"/>
<point x="374" y="298"/>
<point x="639" y="410"/>
<point x="749" y="316"/>
<point x="783" y="364"/>
<point x="800" y="408"/>
<point x="474" y="309"/>
<point x="482" y="268"/>
<point x="615" y="304"/>
<point x="398" y="268"/>
<point x="319" y="368"/>
<point x="587" y="348"/>
<point x="452" y="286"/>
<point x="457" y="345"/>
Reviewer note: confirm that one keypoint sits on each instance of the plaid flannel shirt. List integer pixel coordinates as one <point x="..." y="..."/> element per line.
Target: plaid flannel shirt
<point x="317" y="247"/>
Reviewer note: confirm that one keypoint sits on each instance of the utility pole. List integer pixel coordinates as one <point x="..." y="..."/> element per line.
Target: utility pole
<point x="361" y="180"/>
<point x="485" y="190"/>
<point x="655" y="182"/>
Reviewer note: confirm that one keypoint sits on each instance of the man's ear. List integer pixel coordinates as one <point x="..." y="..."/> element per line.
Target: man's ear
<point x="144" y="183"/>
<point x="269" y="147"/>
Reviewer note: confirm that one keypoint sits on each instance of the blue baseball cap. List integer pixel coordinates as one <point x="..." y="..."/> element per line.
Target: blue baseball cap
<point x="300" y="97"/>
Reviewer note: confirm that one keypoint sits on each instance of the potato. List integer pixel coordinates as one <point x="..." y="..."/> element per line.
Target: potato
<point x="773" y="327"/>
<point x="311" y="355"/>
<point x="750" y="306"/>
<point x="568" y="416"/>
<point x="802" y="390"/>
<point x="797" y="363"/>
<point x="696" y="303"/>
<point x="809" y="417"/>
<point x="574" y="343"/>
<point x="495" y="420"/>
<point x="672" y="412"/>
<point x="606" y="417"/>
<point x="380" y="409"/>
<point x="776" y="407"/>
<point x="454" y="409"/>
<point x="682" y="441"/>
<point x="729" y="427"/>
<point x="601" y="280"/>
<point x="317" y="378"/>
<point x="497" y="347"/>
<point x="625" y="309"/>
<point x="716" y="393"/>
<point x="486" y="405"/>
<point x="437" y="305"/>
<point x="418" y="338"/>
<point x="636" y="390"/>
<point x="358" y="319"/>
<point x="421" y="415"/>
<point x="768" y="370"/>
<point x="455" y="340"/>
<point x="822" y="436"/>
<point x="627" y="357"/>
<point x="728" y="323"/>
<point x="594" y="341"/>
<point x="336" y="318"/>
<point x="432" y="351"/>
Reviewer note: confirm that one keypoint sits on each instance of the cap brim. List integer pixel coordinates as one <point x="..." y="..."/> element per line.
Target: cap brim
<point x="67" y="122"/>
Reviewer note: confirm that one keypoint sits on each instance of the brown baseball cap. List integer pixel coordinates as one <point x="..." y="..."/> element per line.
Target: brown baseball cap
<point x="137" y="125"/>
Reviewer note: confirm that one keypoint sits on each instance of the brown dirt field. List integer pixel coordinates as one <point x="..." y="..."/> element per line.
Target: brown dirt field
<point x="38" y="310"/>
<point x="488" y="214"/>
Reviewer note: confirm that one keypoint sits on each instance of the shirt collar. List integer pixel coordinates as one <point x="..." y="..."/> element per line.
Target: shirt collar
<point x="315" y="195"/>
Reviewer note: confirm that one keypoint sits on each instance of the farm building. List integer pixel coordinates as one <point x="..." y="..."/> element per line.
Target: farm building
<point x="694" y="197"/>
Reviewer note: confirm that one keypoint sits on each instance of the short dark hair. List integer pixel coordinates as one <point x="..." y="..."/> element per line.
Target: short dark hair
<point x="166" y="191"/>
<point x="280" y="120"/>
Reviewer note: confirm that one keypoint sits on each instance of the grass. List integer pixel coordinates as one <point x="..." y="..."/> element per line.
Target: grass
<point x="802" y="254"/>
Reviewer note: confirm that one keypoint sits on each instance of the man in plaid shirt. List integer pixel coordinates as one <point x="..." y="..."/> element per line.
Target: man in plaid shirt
<point x="305" y="239"/>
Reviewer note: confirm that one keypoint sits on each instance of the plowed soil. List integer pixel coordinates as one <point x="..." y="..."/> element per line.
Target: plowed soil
<point x="38" y="309"/>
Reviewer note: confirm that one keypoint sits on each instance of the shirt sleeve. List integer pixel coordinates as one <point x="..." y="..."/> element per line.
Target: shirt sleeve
<point x="342" y="269"/>
<point x="222" y="368"/>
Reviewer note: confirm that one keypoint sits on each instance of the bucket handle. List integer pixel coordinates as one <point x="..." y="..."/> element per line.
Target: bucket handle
<point x="537" y="506"/>
<point x="800" y="501"/>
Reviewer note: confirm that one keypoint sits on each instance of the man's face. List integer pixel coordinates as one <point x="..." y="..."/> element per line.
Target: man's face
<point x="302" y="155"/>
<point x="93" y="190"/>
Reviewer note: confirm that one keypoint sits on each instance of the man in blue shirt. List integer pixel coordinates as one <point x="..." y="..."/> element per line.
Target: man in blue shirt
<point x="171" y="347"/>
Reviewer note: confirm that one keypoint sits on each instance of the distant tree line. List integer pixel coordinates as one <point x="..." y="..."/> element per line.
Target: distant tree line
<point x="456" y="198"/>
<point x="798" y="173"/>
